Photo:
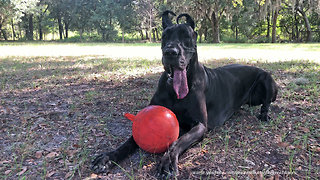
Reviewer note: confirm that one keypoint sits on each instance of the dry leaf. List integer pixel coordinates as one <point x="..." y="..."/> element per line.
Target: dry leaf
<point x="4" y="162"/>
<point x="76" y="145"/>
<point x="24" y="169"/>
<point x="39" y="154"/>
<point x="50" y="174"/>
<point x="72" y="152"/>
<point x="291" y="147"/>
<point x="7" y="172"/>
<point x="283" y="144"/>
<point x="304" y="129"/>
<point x="69" y="174"/>
<point x="93" y="176"/>
<point x="52" y="154"/>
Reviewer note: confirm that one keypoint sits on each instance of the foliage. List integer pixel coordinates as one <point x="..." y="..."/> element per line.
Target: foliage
<point x="253" y="20"/>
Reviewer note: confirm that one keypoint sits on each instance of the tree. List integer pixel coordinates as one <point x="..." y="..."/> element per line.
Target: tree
<point x="6" y="11"/>
<point x="103" y="19"/>
<point x="147" y="10"/>
<point x="81" y="14"/>
<point x="214" y="10"/>
<point x="25" y="10"/>
<point x="126" y="16"/>
<point x="42" y="9"/>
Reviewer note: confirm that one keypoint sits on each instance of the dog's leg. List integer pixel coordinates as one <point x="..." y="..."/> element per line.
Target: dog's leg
<point x="107" y="160"/>
<point x="169" y="162"/>
<point x="264" y="112"/>
<point x="268" y="85"/>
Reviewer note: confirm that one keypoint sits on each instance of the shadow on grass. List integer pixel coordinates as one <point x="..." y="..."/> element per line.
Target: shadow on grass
<point x="73" y="107"/>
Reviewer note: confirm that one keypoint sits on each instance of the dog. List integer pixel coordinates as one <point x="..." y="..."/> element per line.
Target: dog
<point x="201" y="98"/>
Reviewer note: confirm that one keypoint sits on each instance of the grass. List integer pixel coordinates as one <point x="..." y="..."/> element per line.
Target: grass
<point x="67" y="107"/>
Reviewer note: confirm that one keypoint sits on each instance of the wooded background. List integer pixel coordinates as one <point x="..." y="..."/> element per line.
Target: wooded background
<point x="139" y="20"/>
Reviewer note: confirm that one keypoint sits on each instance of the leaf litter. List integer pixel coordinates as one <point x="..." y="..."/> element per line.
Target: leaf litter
<point x="55" y="116"/>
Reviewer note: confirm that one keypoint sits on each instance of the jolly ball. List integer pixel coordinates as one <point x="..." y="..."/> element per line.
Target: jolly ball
<point x="154" y="128"/>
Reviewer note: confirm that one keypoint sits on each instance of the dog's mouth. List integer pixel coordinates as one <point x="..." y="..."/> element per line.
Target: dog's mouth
<point x="179" y="80"/>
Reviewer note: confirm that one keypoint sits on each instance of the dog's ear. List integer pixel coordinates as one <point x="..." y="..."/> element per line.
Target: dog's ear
<point x="166" y="21"/>
<point x="189" y="20"/>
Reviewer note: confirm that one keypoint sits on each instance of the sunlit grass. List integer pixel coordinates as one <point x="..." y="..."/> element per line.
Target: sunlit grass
<point x="152" y="51"/>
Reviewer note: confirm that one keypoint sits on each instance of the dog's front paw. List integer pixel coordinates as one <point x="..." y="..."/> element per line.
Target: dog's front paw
<point x="103" y="163"/>
<point x="265" y="118"/>
<point x="168" y="166"/>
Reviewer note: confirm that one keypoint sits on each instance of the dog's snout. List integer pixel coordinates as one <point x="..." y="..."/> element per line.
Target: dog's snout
<point x="171" y="52"/>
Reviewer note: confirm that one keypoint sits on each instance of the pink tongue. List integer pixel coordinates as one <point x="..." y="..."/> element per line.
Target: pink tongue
<point x="180" y="84"/>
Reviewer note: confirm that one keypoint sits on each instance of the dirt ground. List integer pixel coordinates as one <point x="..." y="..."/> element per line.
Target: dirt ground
<point x="57" y="113"/>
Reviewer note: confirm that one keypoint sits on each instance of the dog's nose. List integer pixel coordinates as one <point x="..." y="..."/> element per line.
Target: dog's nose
<point x="171" y="52"/>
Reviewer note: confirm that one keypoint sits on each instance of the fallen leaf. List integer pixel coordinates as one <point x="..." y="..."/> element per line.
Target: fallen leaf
<point x="278" y="139"/>
<point x="100" y="134"/>
<point x="76" y="145"/>
<point x="72" y="152"/>
<point x="291" y="147"/>
<point x="50" y="174"/>
<point x="24" y="169"/>
<point x="93" y="176"/>
<point x="283" y="144"/>
<point x="7" y="172"/>
<point x="69" y="174"/>
<point x="4" y="162"/>
<point x="304" y="129"/>
<point x="52" y="154"/>
<point x="39" y="154"/>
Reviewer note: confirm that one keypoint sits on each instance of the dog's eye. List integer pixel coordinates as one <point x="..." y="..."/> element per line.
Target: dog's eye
<point x="187" y="43"/>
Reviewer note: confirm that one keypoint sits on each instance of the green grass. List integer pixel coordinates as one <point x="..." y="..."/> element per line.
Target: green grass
<point x="73" y="106"/>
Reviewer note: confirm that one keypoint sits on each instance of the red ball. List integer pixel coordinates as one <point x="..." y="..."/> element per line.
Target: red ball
<point x="154" y="128"/>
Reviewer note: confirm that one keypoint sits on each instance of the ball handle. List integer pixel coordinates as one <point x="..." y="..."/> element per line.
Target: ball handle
<point x="129" y="116"/>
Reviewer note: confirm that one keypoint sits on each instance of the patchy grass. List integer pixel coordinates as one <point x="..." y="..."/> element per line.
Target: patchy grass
<point x="57" y="112"/>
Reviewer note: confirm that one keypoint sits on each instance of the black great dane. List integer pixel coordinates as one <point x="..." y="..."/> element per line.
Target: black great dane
<point x="201" y="98"/>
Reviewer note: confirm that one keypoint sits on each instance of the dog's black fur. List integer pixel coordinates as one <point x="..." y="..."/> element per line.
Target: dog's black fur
<point x="201" y="98"/>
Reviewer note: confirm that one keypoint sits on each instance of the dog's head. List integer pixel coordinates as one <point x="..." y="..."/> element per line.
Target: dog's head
<point x="178" y="51"/>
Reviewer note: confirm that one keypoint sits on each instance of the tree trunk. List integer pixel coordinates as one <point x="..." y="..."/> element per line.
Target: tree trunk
<point x="30" y="28"/>
<point x="150" y="26"/>
<point x="147" y="35"/>
<point x="4" y="34"/>
<point x="154" y="35"/>
<point x="81" y="34"/>
<point x="237" y="32"/>
<point x="13" y="30"/>
<point x="297" y="36"/>
<point x="60" y="27"/>
<point x="215" y="28"/>
<point x="205" y="34"/>
<point x="141" y="34"/>
<point x="40" y="29"/>
<point x="274" y="26"/>
<point x="268" y="28"/>
<point x="157" y="33"/>
<point x="20" y="31"/>
<point x="122" y="36"/>
<point x="307" y="24"/>
<point x="66" y="27"/>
